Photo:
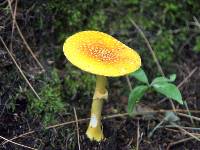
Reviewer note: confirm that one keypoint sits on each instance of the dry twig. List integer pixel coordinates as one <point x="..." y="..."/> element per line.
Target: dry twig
<point x="196" y="22"/>
<point x="129" y="83"/>
<point x="20" y="70"/>
<point x="17" y="143"/>
<point x="186" y="132"/>
<point x="138" y="135"/>
<point x="178" y="142"/>
<point x="78" y="136"/>
<point x="13" y="24"/>
<point x="22" y="37"/>
<point x="188" y="116"/>
<point x="149" y="46"/>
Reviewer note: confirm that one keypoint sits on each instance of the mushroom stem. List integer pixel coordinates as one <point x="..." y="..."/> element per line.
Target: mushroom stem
<point x="94" y="131"/>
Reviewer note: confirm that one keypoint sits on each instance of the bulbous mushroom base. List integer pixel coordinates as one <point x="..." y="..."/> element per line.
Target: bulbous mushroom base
<point x="95" y="133"/>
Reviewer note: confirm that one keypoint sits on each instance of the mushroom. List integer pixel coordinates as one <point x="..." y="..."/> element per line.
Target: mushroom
<point x="100" y="54"/>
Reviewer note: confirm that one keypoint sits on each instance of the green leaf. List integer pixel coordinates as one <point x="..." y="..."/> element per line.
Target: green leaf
<point x="172" y="77"/>
<point x="140" y="75"/>
<point x="169" y="90"/>
<point x="135" y="95"/>
<point x="164" y="79"/>
<point x="171" y="117"/>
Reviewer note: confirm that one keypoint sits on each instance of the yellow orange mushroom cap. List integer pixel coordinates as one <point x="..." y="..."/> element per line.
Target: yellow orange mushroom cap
<point x="101" y="54"/>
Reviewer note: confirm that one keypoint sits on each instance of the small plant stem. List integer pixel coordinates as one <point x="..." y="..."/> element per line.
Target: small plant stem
<point x="94" y="131"/>
<point x="189" y="113"/>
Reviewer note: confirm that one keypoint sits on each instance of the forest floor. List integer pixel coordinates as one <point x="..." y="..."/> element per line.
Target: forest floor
<point x="24" y="55"/>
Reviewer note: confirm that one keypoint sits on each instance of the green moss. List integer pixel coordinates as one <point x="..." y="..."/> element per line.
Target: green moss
<point x="163" y="46"/>
<point x="51" y="102"/>
<point x="73" y="16"/>
<point x="196" y="47"/>
<point x="97" y="21"/>
<point x="78" y="84"/>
